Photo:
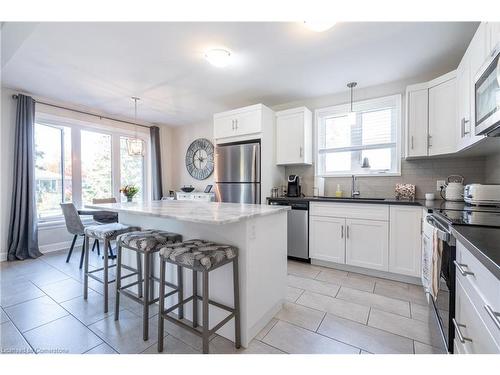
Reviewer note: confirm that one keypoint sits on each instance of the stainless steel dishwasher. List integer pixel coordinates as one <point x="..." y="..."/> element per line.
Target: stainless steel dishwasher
<point x="298" y="227"/>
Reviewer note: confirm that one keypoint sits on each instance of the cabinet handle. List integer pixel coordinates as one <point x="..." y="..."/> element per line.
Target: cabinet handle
<point x="464" y="121"/>
<point x="460" y="267"/>
<point x="301" y="152"/>
<point x="347" y="232"/>
<point x="236" y="123"/>
<point x="495" y="316"/>
<point x="429" y="137"/>
<point x="342" y="231"/>
<point x="232" y="124"/>
<point x="459" y="333"/>
<point x="412" y="142"/>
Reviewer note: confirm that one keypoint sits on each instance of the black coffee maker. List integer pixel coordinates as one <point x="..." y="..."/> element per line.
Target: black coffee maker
<point x="293" y="189"/>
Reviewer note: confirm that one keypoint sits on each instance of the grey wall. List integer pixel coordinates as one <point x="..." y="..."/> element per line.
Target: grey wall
<point x="492" y="170"/>
<point x="422" y="173"/>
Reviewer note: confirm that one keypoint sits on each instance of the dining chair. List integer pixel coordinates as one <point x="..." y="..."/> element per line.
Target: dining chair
<point x="74" y="226"/>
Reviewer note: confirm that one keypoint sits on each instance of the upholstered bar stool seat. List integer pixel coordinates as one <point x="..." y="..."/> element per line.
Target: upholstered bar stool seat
<point x="204" y="257"/>
<point x="144" y="243"/>
<point x="106" y="233"/>
<point x="199" y="255"/>
<point x="148" y="240"/>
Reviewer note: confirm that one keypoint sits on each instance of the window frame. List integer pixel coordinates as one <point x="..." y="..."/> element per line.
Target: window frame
<point x="76" y="126"/>
<point x="392" y="101"/>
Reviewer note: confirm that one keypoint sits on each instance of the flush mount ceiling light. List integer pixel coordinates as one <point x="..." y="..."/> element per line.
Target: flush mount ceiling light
<point x="135" y="146"/>
<point x="319" y="26"/>
<point x="218" y="57"/>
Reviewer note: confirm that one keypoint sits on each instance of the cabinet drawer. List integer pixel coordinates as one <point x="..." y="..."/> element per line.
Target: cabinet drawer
<point x="477" y="338"/>
<point x="482" y="287"/>
<point x="350" y="211"/>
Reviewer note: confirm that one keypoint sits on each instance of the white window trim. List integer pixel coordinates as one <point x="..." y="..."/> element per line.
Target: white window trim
<point x="359" y="106"/>
<point x="77" y="126"/>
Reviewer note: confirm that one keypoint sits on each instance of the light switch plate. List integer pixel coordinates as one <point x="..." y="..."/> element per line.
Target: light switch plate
<point x="440" y="183"/>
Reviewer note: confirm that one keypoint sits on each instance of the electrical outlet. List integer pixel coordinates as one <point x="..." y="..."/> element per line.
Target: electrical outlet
<point x="439" y="184"/>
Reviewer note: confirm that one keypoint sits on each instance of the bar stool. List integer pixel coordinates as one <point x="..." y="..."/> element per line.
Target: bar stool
<point x="106" y="233"/>
<point x="144" y="243"/>
<point x="199" y="256"/>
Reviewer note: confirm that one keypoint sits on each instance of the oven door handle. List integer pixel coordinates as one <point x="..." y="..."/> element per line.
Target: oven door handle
<point x="442" y="234"/>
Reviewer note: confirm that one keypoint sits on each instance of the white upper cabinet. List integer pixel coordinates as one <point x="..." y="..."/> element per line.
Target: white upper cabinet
<point x="239" y="122"/>
<point x="442" y="117"/>
<point x="492" y="36"/>
<point x="431" y="120"/>
<point x="405" y="240"/>
<point x="294" y="136"/>
<point x="417" y="117"/>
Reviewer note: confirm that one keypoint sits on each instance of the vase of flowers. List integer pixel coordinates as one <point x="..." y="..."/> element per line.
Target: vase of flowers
<point x="129" y="191"/>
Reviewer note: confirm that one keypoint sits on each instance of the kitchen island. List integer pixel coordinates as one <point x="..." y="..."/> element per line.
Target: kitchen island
<point x="258" y="231"/>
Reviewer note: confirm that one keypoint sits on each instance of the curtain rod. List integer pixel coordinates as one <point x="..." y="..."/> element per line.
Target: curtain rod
<point x="86" y="113"/>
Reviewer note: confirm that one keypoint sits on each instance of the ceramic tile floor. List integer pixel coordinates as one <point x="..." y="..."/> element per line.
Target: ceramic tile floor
<point x="328" y="311"/>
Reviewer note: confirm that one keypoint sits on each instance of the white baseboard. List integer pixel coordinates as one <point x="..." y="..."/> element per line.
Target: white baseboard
<point x="49" y="248"/>
<point x="369" y="272"/>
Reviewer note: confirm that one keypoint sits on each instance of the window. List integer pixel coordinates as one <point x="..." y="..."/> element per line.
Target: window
<point x="132" y="169"/>
<point x="96" y="166"/>
<point x="52" y="162"/>
<point x="77" y="161"/>
<point x="363" y="142"/>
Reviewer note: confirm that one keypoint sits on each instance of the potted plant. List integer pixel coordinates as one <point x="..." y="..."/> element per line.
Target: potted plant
<point x="129" y="191"/>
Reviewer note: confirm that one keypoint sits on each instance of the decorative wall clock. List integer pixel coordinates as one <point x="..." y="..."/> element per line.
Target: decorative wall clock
<point x="200" y="159"/>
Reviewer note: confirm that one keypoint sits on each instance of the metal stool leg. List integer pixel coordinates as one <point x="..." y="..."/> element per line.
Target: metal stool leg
<point x="86" y="270"/>
<point x="236" y="286"/>
<point x="180" y="292"/>
<point x="145" y="312"/>
<point x="161" y="303"/>
<point x="98" y="248"/>
<point x="195" y="299"/>
<point x="105" y="276"/>
<point x="139" y="274"/>
<point x="118" y="280"/>
<point x="71" y="248"/>
<point x="205" y="334"/>
<point x="151" y="281"/>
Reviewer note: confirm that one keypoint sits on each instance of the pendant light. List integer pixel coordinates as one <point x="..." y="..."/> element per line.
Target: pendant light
<point x="135" y="146"/>
<point x="352" y="115"/>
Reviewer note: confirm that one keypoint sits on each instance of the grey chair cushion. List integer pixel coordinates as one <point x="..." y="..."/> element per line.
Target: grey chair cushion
<point x="108" y="231"/>
<point x="148" y="240"/>
<point x="200" y="255"/>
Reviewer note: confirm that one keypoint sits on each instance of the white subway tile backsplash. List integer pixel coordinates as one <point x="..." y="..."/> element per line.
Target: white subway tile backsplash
<point x="422" y="173"/>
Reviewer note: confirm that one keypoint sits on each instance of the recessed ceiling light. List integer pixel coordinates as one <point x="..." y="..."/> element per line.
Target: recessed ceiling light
<point x="318" y="26"/>
<point x="218" y="57"/>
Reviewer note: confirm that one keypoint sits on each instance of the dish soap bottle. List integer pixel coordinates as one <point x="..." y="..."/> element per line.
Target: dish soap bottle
<point x="338" y="193"/>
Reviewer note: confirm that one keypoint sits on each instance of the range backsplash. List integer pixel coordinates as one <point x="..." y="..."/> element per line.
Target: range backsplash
<point x="422" y="173"/>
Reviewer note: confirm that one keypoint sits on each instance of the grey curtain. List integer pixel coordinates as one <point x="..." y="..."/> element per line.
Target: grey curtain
<point x="23" y="233"/>
<point x="156" y="162"/>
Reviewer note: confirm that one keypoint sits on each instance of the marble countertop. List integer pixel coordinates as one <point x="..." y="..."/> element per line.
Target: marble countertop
<point x="196" y="212"/>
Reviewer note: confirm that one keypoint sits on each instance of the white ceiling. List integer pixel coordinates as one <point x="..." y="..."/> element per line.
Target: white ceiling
<point x="101" y="65"/>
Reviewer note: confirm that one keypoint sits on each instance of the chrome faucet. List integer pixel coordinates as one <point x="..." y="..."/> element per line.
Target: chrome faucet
<point x="354" y="193"/>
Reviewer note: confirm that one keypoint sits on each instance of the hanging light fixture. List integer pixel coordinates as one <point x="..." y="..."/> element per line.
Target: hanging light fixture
<point x="135" y="146"/>
<point x="351" y="117"/>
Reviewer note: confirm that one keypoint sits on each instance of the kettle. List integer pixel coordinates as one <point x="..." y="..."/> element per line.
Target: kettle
<point x="454" y="188"/>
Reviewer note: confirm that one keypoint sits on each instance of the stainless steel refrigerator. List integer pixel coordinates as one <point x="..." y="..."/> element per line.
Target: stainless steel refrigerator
<point x="237" y="173"/>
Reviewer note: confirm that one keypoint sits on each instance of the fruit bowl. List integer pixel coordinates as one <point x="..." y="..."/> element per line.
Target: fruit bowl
<point x="187" y="189"/>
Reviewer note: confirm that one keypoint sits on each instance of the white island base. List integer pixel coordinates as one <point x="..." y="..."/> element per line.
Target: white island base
<point x="262" y="247"/>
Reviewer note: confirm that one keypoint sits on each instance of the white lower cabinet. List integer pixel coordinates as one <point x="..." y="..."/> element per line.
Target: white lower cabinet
<point x="375" y="236"/>
<point x="471" y="334"/>
<point x="367" y="244"/>
<point x="327" y="238"/>
<point x="405" y="255"/>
